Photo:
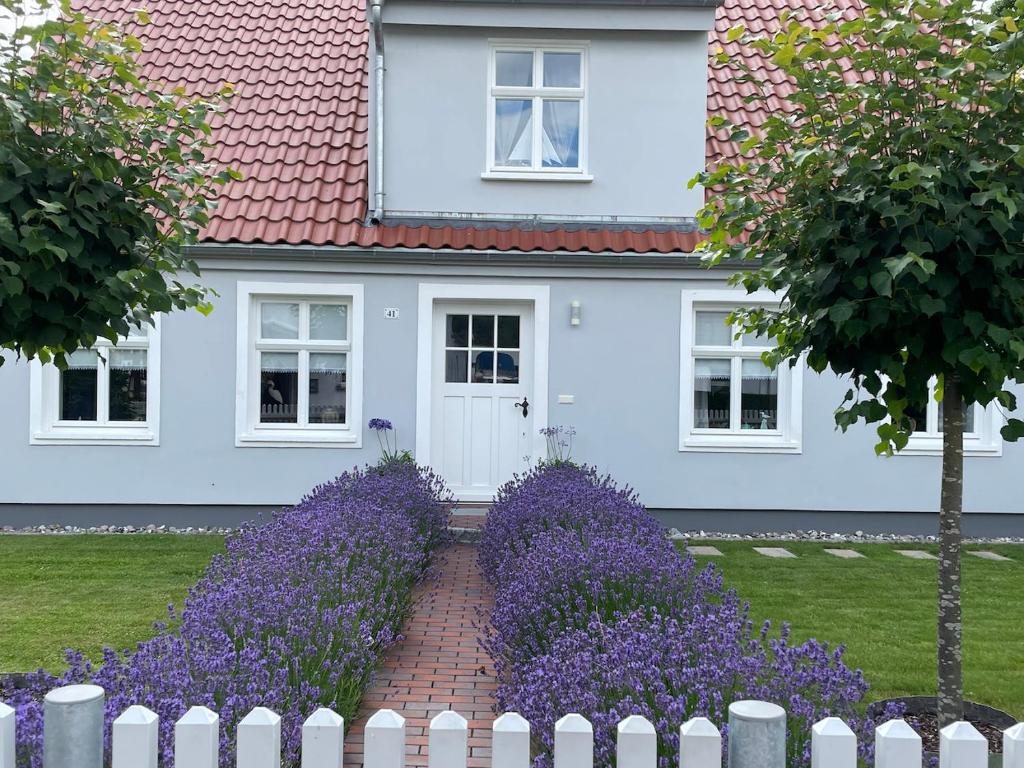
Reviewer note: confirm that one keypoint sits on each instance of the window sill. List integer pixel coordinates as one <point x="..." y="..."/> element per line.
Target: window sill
<point x="577" y="176"/>
<point x="933" y="447"/>
<point x="95" y="436"/>
<point x="298" y="439"/>
<point x="738" y="444"/>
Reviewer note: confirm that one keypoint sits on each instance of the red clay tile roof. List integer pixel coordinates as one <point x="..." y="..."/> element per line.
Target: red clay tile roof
<point x="297" y="126"/>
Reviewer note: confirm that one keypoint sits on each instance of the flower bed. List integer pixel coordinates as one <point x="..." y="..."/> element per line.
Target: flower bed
<point x="597" y="613"/>
<point x="293" y="616"/>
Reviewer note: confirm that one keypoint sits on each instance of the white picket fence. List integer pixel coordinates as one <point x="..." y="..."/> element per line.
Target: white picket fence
<point x="757" y="733"/>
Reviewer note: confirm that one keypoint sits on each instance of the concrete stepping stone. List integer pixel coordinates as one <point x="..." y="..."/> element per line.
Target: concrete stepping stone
<point x="705" y="551"/>
<point x="985" y="555"/>
<point x="774" y="552"/>
<point x="916" y="554"/>
<point x="846" y="554"/>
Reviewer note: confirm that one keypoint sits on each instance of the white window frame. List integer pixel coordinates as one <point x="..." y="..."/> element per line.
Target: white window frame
<point x="787" y="438"/>
<point x="45" y="426"/>
<point x="537" y="93"/>
<point x="985" y="440"/>
<point x="249" y="432"/>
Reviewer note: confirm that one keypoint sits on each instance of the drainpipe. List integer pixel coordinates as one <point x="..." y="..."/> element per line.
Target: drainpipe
<point x="378" y="125"/>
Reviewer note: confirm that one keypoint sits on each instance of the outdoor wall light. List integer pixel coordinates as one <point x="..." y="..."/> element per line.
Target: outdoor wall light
<point x="574" y="313"/>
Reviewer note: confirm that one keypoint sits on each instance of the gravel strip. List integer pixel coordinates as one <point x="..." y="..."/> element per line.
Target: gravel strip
<point x="62" y="530"/>
<point x="828" y="537"/>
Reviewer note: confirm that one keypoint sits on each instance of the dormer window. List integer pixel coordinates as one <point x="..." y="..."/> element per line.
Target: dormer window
<point x="537" y="112"/>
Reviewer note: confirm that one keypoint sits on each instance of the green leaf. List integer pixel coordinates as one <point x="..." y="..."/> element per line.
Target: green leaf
<point x="882" y="283"/>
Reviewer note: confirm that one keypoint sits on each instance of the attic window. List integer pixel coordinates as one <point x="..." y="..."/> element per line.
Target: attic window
<point x="537" y="111"/>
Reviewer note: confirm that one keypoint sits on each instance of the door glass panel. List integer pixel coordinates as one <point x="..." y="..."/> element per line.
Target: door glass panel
<point x="759" y="396"/>
<point x="127" y="384"/>
<point x="562" y="70"/>
<point x="483" y="366"/>
<point x="711" y="394"/>
<point x="457" y="333"/>
<point x="456" y="366"/>
<point x="327" y="388"/>
<point x="78" y="386"/>
<point x="508" y="368"/>
<point x="279" y="320"/>
<point x="328" y="322"/>
<point x="513" y="68"/>
<point x="483" y="330"/>
<point x="712" y="330"/>
<point x="508" y="331"/>
<point x="279" y="376"/>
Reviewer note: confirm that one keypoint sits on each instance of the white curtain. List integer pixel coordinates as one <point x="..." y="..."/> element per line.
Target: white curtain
<point x="561" y="134"/>
<point x="511" y="139"/>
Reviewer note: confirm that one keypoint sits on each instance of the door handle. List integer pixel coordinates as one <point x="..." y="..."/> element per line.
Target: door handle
<point x="525" y="405"/>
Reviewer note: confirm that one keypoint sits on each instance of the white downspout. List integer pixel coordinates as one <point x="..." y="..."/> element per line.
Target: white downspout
<point x="378" y="121"/>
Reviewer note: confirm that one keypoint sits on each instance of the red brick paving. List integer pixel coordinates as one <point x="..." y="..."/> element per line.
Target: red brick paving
<point x="467" y="521"/>
<point x="439" y="665"/>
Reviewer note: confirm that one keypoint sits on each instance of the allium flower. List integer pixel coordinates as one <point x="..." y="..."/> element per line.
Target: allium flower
<point x="293" y="616"/>
<point x="380" y="425"/>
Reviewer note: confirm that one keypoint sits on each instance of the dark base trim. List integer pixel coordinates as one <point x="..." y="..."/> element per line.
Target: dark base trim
<point x="91" y="515"/>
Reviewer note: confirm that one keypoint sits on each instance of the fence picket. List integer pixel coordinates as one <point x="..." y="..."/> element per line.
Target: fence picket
<point x="447" y="741"/>
<point x="700" y="744"/>
<point x="7" y="715"/>
<point x="897" y="745"/>
<point x="574" y="742"/>
<point x="323" y="739"/>
<point x="259" y="739"/>
<point x="833" y="744"/>
<point x="384" y="740"/>
<point x="961" y="746"/>
<point x="1013" y="746"/>
<point x="196" y="739"/>
<point x="510" y="742"/>
<point x="637" y="745"/>
<point x="134" y="737"/>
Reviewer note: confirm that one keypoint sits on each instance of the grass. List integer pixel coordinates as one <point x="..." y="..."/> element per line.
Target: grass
<point x="883" y="608"/>
<point x="89" y="591"/>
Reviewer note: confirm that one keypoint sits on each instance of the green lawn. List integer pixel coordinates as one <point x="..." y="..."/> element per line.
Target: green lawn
<point x="883" y="608"/>
<point x="89" y="591"/>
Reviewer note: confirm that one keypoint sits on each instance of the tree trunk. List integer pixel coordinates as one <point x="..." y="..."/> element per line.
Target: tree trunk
<point x="951" y="687"/>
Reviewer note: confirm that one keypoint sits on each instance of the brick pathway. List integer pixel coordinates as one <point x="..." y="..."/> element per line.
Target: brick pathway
<point x="439" y="665"/>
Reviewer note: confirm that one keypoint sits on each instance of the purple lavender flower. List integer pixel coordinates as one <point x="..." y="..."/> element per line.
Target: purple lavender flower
<point x="293" y="616"/>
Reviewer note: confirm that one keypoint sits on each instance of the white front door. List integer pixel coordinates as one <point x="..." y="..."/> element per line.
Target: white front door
<point x="482" y="399"/>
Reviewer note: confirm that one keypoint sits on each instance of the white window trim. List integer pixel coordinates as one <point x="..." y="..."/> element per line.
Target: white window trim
<point x="248" y="431"/>
<point x="788" y="439"/>
<point x="495" y="172"/>
<point x="984" y="441"/>
<point x="44" y="384"/>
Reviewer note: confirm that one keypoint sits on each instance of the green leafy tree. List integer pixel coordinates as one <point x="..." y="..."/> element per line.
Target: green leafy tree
<point x="885" y="211"/>
<point x="104" y="181"/>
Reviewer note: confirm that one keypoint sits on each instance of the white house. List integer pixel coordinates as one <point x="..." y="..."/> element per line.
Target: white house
<point x="470" y="217"/>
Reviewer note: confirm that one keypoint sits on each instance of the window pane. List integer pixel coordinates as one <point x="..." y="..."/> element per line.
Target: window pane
<point x="457" y="331"/>
<point x="327" y="386"/>
<point x="134" y="332"/>
<point x="483" y="366"/>
<point x="456" y="366"/>
<point x="328" y="321"/>
<point x="514" y="68"/>
<point x="562" y="70"/>
<point x="78" y="386"/>
<point x="279" y="399"/>
<point x="508" y="331"/>
<point x="513" y="135"/>
<point x="918" y="418"/>
<point x="969" y="419"/>
<point x="561" y="142"/>
<point x="761" y="342"/>
<point x="279" y="320"/>
<point x="712" y="329"/>
<point x="711" y="389"/>
<point x="759" y="396"/>
<point x="508" y="368"/>
<point x="483" y="330"/>
<point x="127" y="384"/>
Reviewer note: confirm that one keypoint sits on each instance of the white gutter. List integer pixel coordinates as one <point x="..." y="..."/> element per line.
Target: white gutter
<point x="378" y="123"/>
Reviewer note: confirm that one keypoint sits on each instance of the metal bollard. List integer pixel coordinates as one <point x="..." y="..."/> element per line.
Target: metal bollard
<point x="73" y="727"/>
<point x="757" y="735"/>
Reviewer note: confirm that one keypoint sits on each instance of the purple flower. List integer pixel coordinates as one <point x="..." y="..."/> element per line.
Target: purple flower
<point x="380" y="425"/>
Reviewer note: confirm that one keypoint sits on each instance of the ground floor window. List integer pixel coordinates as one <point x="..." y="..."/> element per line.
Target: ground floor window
<point x="731" y="400"/>
<point x="981" y="428"/>
<point x="299" y="363"/>
<point x="107" y="393"/>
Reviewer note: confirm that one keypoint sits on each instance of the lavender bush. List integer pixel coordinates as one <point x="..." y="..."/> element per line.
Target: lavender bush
<point x="293" y="616"/>
<point x="597" y="613"/>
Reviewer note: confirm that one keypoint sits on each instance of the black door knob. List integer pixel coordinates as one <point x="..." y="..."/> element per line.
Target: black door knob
<point x="525" y="405"/>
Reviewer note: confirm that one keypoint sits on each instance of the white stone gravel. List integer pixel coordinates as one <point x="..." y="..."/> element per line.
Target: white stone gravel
<point x="61" y="530"/>
<point x="832" y="537"/>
